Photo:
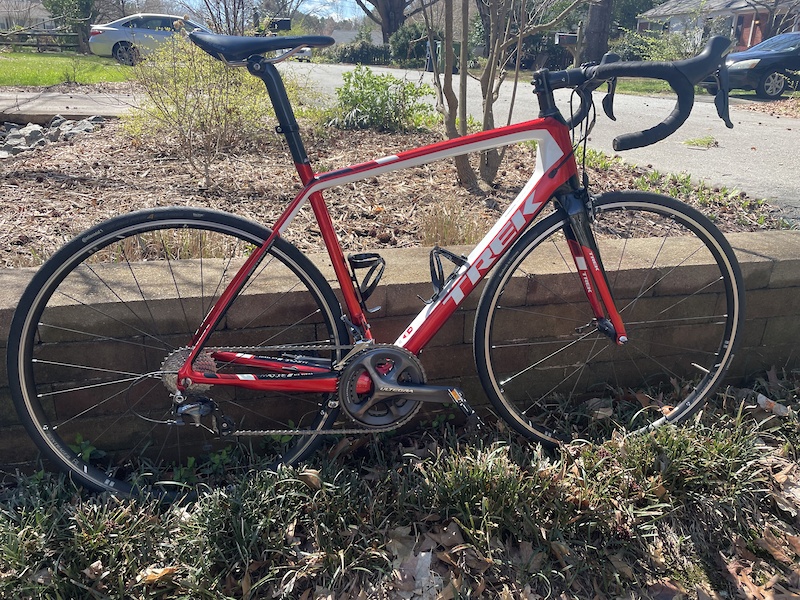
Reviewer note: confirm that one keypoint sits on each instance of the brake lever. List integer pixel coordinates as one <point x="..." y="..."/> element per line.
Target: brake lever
<point x="608" y="99"/>
<point x="721" y="100"/>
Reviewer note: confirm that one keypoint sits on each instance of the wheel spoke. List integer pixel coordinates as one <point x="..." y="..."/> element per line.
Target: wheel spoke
<point x="111" y="319"/>
<point x="679" y="292"/>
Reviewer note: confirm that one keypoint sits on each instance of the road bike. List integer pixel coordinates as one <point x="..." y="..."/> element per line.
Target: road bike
<point x="165" y="348"/>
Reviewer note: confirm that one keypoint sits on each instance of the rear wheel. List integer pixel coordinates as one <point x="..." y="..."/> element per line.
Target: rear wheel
<point x="126" y="54"/>
<point x="676" y="282"/>
<point x="99" y="334"/>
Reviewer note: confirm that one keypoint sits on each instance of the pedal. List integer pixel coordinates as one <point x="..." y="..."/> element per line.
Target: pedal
<point x="376" y="265"/>
<point x="473" y="420"/>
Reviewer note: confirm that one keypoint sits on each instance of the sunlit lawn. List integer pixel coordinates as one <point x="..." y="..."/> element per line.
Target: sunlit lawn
<point x="46" y="68"/>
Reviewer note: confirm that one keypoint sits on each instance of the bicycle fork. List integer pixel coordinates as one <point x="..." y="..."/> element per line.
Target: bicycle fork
<point x="587" y="260"/>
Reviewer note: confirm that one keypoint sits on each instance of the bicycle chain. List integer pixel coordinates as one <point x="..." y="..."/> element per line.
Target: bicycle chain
<point x="309" y="432"/>
<point x="300" y="432"/>
<point x="287" y="349"/>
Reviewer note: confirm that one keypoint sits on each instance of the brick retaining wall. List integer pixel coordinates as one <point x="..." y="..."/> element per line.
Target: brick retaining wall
<point x="770" y="262"/>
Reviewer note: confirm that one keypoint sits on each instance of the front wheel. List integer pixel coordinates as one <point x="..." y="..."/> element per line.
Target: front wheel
<point x="772" y="85"/>
<point x="100" y="332"/>
<point x="678" y="287"/>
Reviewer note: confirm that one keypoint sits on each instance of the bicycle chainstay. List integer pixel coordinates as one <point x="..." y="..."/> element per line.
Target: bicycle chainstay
<point x="298" y="432"/>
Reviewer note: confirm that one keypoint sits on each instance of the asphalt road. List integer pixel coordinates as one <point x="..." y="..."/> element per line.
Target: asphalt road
<point x="760" y="155"/>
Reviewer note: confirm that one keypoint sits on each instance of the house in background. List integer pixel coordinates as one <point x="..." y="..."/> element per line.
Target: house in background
<point x="347" y="36"/>
<point x="23" y="13"/>
<point x="744" y="21"/>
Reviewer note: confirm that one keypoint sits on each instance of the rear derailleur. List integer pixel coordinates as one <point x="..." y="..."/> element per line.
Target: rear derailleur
<point x="190" y="410"/>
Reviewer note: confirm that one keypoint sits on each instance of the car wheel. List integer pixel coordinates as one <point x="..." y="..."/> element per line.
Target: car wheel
<point x="126" y="54"/>
<point x="772" y="85"/>
<point x="711" y="89"/>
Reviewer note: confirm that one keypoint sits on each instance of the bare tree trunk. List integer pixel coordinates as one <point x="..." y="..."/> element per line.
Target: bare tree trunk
<point x="500" y="45"/>
<point x="446" y="101"/>
<point x="598" y="27"/>
<point x="466" y="174"/>
<point x="490" y="83"/>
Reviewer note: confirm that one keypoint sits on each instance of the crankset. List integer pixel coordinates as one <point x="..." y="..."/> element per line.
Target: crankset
<point x="384" y="386"/>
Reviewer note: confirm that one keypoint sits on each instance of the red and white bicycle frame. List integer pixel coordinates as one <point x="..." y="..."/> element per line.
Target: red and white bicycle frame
<point x="555" y="166"/>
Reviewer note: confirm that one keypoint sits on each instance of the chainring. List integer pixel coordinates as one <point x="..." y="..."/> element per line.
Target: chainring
<point x="388" y="368"/>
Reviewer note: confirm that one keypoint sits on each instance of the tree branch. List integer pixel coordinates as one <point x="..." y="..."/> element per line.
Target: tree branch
<point x="530" y="29"/>
<point x="369" y="12"/>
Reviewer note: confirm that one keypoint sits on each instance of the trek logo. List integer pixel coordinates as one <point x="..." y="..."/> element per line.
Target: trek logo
<point x="507" y="233"/>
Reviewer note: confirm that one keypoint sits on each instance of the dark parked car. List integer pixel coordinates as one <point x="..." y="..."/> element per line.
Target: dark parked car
<point x="769" y="68"/>
<point x="128" y="38"/>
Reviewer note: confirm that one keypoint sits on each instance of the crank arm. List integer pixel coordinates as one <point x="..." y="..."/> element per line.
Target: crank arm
<point x="417" y="392"/>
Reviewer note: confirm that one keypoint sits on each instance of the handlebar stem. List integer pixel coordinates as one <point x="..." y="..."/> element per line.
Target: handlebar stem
<point x="544" y="93"/>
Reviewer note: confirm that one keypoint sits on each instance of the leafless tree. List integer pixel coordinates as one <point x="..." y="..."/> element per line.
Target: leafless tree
<point x="509" y="22"/>
<point x="391" y="14"/>
<point x="781" y="15"/>
<point x="18" y="13"/>
<point x="108" y="10"/>
<point x="596" y="32"/>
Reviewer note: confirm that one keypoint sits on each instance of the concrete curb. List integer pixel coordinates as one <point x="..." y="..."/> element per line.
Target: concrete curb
<point x="770" y="263"/>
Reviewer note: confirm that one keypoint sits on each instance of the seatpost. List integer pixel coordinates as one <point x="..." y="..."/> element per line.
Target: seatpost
<point x="287" y="123"/>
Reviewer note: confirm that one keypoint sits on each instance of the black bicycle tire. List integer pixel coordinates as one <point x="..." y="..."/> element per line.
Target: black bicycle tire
<point x="700" y="225"/>
<point x="55" y="270"/>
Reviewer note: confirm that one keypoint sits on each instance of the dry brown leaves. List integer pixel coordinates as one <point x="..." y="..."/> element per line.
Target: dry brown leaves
<point x="50" y="195"/>
<point x="790" y="107"/>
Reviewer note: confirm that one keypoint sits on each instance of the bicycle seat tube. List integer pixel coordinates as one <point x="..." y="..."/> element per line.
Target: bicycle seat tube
<point x="288" y="127"/>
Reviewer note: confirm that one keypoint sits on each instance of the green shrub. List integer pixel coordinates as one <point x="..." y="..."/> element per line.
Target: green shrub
<point x="383" y="102"/>
<point x="361" y="52"/>
<point x="409" y="44"/>
<point x="632" y="45"/>
<point x="192" y="98"/>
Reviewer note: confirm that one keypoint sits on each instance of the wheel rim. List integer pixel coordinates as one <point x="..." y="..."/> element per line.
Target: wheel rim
<point x="558" y="378"/>
<point x="774" y="84"/>
<point x="126" y="55"/>
<point x="92" y="369"/>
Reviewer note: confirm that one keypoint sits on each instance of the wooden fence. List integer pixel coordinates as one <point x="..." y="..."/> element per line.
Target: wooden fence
<point x="41" y="40"/>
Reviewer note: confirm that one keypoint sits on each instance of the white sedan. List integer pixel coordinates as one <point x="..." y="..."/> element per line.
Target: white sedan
<point x="126" y="39"/>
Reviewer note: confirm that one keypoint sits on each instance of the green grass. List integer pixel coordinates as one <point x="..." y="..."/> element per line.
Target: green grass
<point x="681" y="508"/>
<point x="46" y="69"/>
<point x="704" y="142"/>
<point x="642" y="86"/>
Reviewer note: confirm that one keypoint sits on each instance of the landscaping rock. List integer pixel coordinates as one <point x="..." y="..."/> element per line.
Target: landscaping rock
<point x="15" y="139"/>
